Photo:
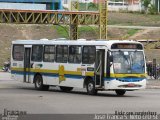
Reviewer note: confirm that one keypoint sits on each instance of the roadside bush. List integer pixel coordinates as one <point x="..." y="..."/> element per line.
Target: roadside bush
<point x="152" y="9"/>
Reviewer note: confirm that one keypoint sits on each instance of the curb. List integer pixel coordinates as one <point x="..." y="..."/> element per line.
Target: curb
<point x="152" y="87"/>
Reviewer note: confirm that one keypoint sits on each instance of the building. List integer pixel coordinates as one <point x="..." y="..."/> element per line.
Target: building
<point x="117" y="5"/>
<point x="134" y="5"/>
<point x="31" y="4"/>
<point x="67" y="3"/>
<point x="86" y="1"/>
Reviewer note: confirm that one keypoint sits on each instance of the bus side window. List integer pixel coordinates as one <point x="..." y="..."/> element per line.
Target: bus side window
<point x="74" y="54"/>
<point x="37" y="52"/>
<point x="18" y="52"/>
<point x="88" y="55"/>
<point x="62" y="53"/>
<point x="49" y="53"/>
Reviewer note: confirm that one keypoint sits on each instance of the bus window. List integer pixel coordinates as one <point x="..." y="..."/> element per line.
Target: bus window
<point x="61" y="53"/>
<point x="74" y="54"/>
<point x="37" y="51"/>
<point x="88" y="55"/>
<point x="18" y="52"/>
<point x="49" y="53"/>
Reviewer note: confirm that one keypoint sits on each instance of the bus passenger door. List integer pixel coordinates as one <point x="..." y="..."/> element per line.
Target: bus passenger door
<point x="27" y="65"/>
<point x="99" y="68"/>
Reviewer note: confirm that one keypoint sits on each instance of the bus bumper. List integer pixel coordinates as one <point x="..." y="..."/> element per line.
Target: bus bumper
<point x="115" y="84"/>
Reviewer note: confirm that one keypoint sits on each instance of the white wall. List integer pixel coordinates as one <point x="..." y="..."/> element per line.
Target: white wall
<point x="116" y="6"/>
<point x="85" y="1"/>
<point x="22" y="6"/>
<point x="134" y="7"/>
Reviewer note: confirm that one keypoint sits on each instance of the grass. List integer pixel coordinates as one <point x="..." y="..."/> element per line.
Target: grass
<point x="132" y="31"/>
<point x="116" y="18"/>
<point x="87" y="29"/>
<point x="88" y="7"/>
<point x="62" y="31"/>
<point x="88" y="32"/>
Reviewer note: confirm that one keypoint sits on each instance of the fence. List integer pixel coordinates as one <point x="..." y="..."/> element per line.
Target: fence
<point x="153" y="69"/>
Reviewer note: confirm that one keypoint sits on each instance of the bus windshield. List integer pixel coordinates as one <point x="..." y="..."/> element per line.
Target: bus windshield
<point x="128" y="62"/>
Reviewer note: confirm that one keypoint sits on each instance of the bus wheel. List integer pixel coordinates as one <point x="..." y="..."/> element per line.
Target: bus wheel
<point x="91" y="87"/>
<point x="66" y="89"/>
<point x="39" y="83"/>
<point x="120" y="92"/>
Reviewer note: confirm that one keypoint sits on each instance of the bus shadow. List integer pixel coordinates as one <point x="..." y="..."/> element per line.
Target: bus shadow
<point x="99" y="94"/>
<point x="79" y="92"/>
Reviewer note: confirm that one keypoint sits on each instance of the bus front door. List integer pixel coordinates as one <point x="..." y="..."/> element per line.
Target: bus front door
<point x="99" y="68"/>
<point x="27" y="65"/>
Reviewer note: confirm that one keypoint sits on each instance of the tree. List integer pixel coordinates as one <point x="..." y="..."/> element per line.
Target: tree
<point x="146" y="4"/>
<point x="93" y="6"/>
<point x="149" y="8"/>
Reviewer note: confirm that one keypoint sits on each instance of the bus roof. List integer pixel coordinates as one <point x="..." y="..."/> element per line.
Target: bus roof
<point x="72" y="42"/>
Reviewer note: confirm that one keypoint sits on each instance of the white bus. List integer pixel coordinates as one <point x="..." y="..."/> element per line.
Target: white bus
<point x="95" y="65"/>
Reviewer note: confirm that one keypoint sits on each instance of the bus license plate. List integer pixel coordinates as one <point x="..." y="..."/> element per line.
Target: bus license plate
<point x="131" y="85"/>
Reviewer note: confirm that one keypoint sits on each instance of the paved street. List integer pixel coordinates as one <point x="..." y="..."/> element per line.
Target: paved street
<point x="18" y="96"/>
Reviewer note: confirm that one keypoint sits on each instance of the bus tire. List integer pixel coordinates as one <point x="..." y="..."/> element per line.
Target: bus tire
<point x="39" y="83"/>
<point x="120" y="92"/>
<point x="91" y="87"/>
<point x="66" y="89"/>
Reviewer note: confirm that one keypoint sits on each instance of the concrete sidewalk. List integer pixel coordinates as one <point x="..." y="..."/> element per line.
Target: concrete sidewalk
<point x="153" y="84"/>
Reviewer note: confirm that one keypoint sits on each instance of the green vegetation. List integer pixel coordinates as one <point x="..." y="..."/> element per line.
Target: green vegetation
<point x="149" y="8"/>
<point x="129" y="33"/>
<point x="62" y="31"/>
<point x="88" y="7"/>
<point x="145" y="3"/>
<point x="88" y="32"/>
<point x="132" y="31"/>
<point x="152" y="9"/>
<point x="92" y="32"/>
<point x="87" y="29"/>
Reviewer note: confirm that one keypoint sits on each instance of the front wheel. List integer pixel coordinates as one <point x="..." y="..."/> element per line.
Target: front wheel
<point x="39" y="83"/>
<point x="120" y="92"/>
<point x="91" y="88"/>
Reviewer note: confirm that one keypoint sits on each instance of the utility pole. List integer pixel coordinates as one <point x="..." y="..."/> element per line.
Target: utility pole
<point x="74" y="20"/>
<point x="103" y="5"/>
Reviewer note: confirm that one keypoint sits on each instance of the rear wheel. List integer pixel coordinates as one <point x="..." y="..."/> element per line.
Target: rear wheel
<point x="39" y="83"/>
<point x="91" y="87"/>
<point x="120" y="92"/>
<point x="66" y="89"/>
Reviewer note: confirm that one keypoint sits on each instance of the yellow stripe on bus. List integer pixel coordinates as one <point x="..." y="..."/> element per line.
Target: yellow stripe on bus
<point x="128" y="75"/>
<point x="53" y="71"/>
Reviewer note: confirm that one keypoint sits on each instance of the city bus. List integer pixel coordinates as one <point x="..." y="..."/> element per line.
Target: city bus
<point x="115" y="65"/>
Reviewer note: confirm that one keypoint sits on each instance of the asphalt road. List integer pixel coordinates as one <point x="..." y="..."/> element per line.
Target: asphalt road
<point x="18" y="96"/>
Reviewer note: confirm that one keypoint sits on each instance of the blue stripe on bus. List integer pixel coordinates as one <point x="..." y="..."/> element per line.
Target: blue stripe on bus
<point x="109" y="79"/>
<point x="74" y="76"/>
<point x="48" y="74"/>
<point x="132" y="79"/>
<point x="125" y="79"/>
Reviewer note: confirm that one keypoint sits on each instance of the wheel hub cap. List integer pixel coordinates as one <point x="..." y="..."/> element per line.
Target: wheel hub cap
<point x="90" y="86"/>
